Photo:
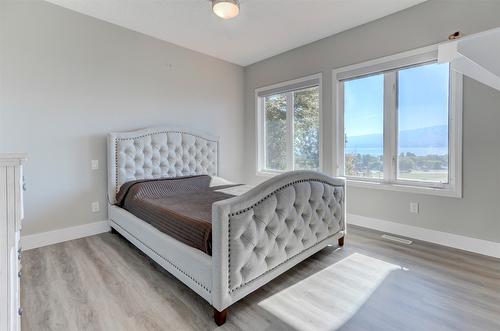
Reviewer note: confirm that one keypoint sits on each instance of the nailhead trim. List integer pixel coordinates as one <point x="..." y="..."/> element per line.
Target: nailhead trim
<point x="251" y="207"/>
<point x="164" y="132"/>
<point x="277" y="190"/>
<point x="277" y="266"/>
<point x="156" y="133"/>
<point x="116" y="168"/>
<point x="167" y="260"/>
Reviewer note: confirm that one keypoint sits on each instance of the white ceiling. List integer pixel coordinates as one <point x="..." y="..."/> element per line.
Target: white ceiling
<point x="264" y="27"/>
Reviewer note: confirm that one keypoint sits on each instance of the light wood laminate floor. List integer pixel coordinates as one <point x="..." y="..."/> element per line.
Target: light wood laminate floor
<point x="104" y="283"/>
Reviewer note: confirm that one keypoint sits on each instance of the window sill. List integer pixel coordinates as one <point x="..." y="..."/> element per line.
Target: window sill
<point x="443" y="192"/>
<point x="268" y="173"/>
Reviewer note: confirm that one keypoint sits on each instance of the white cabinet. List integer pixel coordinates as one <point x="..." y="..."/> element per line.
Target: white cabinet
<point x="11" y="215"/>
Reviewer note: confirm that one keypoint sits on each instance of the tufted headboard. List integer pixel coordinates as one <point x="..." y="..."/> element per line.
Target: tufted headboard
<point x="160" y="152"/>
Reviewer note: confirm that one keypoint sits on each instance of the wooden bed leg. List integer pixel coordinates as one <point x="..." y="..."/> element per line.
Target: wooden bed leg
<point x="220" y="316"/>
<point x="341" y="241"/>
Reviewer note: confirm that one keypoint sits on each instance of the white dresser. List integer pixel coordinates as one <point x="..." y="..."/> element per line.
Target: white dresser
<point x="11" y="215"/>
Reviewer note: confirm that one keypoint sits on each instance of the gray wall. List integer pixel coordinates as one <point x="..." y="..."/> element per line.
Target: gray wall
<point x="67" y="79"/>
<point x="478" y="213"/>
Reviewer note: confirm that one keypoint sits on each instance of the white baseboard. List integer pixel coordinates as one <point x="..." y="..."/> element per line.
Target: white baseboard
<point x="61" y="235"/>
<point x="474" y="245"/>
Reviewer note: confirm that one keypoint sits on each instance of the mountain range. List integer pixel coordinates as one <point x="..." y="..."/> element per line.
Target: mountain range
<point x="433" y="136"/>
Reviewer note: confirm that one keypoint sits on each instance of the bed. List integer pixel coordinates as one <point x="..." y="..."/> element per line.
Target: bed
<point x="253" y="234"/>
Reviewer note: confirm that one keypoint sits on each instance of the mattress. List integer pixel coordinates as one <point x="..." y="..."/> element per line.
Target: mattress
<point x="181" y="207"/>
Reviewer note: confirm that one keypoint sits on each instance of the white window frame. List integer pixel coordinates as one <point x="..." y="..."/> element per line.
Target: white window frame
<point x="390" y="181"/>
<point x="260" y="120"/>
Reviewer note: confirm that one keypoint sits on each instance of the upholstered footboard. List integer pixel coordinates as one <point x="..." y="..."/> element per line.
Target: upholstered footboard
<point x="264" y="232"/>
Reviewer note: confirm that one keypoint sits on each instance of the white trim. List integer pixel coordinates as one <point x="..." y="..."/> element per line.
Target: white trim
<point x="289" y="86"/>
<point x="321" y="127"/>
<point x="479" y="246"/>
<point x="390" y="181"/>
<point x="337" y="124"/>
<point x="290" y="155"/>
<point x="411" y="187"/>
<point x="421" y="56"/>
<point x="260" y="125"/>
<point x="384" y="59"/>
<point x="390" y="125"/>
<point x="61" y="235"/>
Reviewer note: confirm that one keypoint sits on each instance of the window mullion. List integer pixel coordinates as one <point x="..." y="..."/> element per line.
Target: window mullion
<point x="390" y="126"/>
<point x="261" y="127"/>
<point x="289" y="131"/>
<point x="340" y="164"/>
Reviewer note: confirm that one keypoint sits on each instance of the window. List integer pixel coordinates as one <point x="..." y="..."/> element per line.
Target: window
<point x="364" y="127"/>
<point x="423" y="128"/>
<point x="289" y="125"/>
<point x="400" y="124"/>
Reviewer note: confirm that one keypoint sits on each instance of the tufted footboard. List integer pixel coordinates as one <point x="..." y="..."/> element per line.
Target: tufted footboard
<point x="264" y="232"/>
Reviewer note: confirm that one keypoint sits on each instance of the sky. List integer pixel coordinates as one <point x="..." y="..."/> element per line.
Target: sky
<point x="422" y="100"/>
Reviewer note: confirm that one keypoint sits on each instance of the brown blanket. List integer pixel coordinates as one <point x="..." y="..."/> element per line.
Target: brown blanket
<point x="180" y="207"/>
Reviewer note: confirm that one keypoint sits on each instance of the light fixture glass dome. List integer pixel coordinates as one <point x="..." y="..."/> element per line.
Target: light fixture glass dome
<point x="226" y="9"/>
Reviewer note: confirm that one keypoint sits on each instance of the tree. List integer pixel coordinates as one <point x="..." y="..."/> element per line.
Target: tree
<point x="406" y="164"/>
<point x="350" y="164"/>
<point x="275" y="132"/>
<point x="305" y="127"/>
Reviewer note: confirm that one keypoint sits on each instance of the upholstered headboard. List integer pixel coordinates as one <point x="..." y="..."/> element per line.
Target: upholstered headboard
<point x="160" y="152"/>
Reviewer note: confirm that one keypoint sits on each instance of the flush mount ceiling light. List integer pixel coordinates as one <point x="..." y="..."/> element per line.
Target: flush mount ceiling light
<point x="226" y="9"/>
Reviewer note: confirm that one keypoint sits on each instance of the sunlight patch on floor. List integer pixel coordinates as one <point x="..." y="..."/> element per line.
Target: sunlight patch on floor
<point x="329" y="298"/>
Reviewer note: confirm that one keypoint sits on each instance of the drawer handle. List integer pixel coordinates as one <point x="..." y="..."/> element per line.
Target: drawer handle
<point x="19" y="250"/>
<point x="19" y="274"/>
<point x="20" y="311"/>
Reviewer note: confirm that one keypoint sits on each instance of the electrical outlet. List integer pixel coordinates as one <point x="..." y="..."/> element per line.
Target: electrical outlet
<point x="414" y="207"/>
<point x="94" y="164"/>
<point x="95" y="206"/>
